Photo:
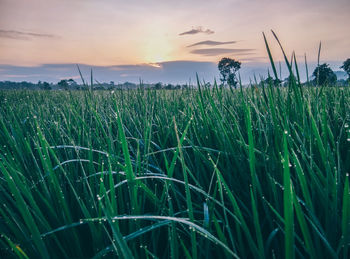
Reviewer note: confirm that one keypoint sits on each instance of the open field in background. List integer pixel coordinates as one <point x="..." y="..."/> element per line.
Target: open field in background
<point x="196" y="173"/>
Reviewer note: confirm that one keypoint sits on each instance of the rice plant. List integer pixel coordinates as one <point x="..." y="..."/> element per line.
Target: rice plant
<point x="260" y="172"/>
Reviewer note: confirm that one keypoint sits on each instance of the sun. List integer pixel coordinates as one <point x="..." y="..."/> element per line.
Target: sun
<point x="157" y="50"/>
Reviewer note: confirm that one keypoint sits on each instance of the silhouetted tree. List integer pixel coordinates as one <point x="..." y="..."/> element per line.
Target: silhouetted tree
<point x="231" y="80"/>
<point x="72" y="83"/>
<point x="63" y="84"/>
<point x="169" y="87"/>
<point x="158" y="86"/>
<point x="111" y="85"/>
<point x="324" y="75"/>
<point x="67" y="84"/>
<point x="46" y="86"/>
<point x="271" y="81"/>
<point x="228" y="68"/>
<point x="16" y="85"/>
<point x="346" y="67"/>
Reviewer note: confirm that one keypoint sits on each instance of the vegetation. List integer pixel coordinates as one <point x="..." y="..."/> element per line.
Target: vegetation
<point x="260" y="172"/>
<point x="70" y="84"/>
<point x="275" y="82"/>
<point x="346" y="67"/>
<point x="228" y="68"/>
<point x="324" y="75"/>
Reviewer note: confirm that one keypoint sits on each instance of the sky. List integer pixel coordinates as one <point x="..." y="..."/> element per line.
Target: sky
<point x="164" y="40"/>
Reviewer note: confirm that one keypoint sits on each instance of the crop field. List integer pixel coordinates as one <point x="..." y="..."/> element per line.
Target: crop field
<point x="193" y="173"/>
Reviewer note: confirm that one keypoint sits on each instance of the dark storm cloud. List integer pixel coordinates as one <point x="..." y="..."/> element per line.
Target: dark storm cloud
<point x="197" y="30"/>
<point x="221" y="51"/>
<point x="20" y="35"/>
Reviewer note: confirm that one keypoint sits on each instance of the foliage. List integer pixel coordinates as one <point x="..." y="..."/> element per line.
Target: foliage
<point x="346" y="67"/>
<point x="231" y="80"/>
<point x="46" y="86"/>
<point x="67" y="84"/>
<point x="63" y="84"/>
<point x="158" y="85"/>
<point x="324" y="75"/>
<point x="271" y="81"/>
<point x="192" y="173"/>
<point x="228" y="68"/>
<point x="17" y="85"/>
<point x="69" y="162"/>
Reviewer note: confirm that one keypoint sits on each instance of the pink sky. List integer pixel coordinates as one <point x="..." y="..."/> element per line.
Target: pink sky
<point x="152" y="39"/>
<point x="108" y="32"/>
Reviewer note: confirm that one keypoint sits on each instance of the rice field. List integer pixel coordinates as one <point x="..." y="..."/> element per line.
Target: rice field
<point x="196" y="173"/>
<point x="205" y="172"/>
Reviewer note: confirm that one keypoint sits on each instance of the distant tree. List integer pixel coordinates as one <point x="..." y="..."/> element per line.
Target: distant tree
<point x="46" y="86"/>
<point x="72" y="83"/>
<point x="127" y="85"/>
<point x="231" y="80"/>
<point x="67" y="84"/>
<point x="324" y="75"/>
<point x="270" y="81"/>
<point x="158" y="85"/>
<point x="346" y="67"/>
<point x="63" y="84"/>
<point x="169" y="87"/>
<point x="228" y="68"/>
<point x="17" y="85"/>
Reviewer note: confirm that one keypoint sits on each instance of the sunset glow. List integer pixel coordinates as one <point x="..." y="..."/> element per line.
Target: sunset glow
<point x="110" y="33"/>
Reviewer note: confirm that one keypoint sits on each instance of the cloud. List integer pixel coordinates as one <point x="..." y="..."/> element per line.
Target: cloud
<point x="25" y="76"/>
<point x="197" y="30"/>
<point x="211" y="43"/>
<point x="254" y="59"/>
<point x="156" y="65"/>
<point x="221" y="51"/>
<point x="175" y="72"/>
<point x="148" y="66"/>
<point x="20" y="35"/>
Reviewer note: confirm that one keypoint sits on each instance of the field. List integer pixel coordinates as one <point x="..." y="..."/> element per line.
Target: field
<point x="197" y="173"/>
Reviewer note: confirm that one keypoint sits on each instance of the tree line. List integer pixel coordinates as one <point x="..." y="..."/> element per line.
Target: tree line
<point x="323" y="74"/>
<point x="71" y="84"/>
<point x="228" y="68"/>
